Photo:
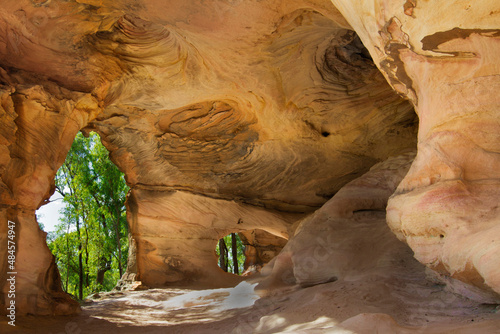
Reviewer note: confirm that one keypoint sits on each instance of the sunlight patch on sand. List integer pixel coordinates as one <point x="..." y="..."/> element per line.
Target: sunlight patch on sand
<point x="240" y="296"/>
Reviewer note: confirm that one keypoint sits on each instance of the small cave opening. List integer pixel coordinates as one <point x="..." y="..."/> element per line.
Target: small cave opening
<point x="246" y="252"/>
<point x="231" y="253"/>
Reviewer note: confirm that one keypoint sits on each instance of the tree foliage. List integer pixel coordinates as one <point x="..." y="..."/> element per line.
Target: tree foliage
<point x="230" y="251"/>
<point x="91" y="241"/>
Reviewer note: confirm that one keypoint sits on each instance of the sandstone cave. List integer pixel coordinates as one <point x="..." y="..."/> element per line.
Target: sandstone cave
<point x="353" y="145"/>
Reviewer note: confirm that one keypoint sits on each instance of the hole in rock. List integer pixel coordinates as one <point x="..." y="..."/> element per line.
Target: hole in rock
<point x="231" y="253"/>
<point x="85" y="219"/>
<point x="244" y="253"/>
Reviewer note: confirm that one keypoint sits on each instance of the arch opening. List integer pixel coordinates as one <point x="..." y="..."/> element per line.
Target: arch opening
<point x="246" y="252"/>
<point x="85" y="220"/>
<point x="231" y="254"/>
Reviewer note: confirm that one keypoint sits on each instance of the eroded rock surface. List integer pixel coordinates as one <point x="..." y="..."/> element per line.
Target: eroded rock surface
<point x="378" y="285"/>
<point x="446" y="208"/>
<point x="216" y="113"/>
<point x="176" y="232"/>
<point x="348" y="237"/>
<point x="261" y="247"/>
<point x="37" y="126"/>
<point x="225" y="112"/>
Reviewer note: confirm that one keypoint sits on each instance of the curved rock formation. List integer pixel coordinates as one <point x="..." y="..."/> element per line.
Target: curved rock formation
<point x="446" y="208"/>
<point x="38" y="125"/>
<point x="349" y="233"/>
<point x="225" y="112"/>
<point x="261" y="247"/>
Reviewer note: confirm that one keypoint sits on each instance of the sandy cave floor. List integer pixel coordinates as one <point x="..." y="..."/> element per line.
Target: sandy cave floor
<point x="376" y="305"/>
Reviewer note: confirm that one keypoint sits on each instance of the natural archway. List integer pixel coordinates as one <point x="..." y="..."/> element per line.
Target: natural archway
<point x="250" y="250"/>
<point x="231" y="253"/>
<point x="293" y="117"/>
<point x="90" y="241"/>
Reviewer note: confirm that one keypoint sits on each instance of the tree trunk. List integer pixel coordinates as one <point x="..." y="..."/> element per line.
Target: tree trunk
<point x="118" y="242"/>
<point x="235" y="253"/>
<point x="100" y="276"/>
<point x="223" y="255"/>
<point x="117" y="232"/>
<point x="87" y="280"/>
<point x="104" y="266"/>
<point x="67" y="259"/>
<point x="80" y="262"/>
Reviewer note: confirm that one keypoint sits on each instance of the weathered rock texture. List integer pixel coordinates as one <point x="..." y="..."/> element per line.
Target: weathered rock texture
<point x="37" y="126"/>
<point x="348" y="237"/>
<point x="445" y="58"/>
<point x="260" y="248"/>
<point x="175" y="234"/>
<point x="256" y="138"/>
<point x="257" y="112"/>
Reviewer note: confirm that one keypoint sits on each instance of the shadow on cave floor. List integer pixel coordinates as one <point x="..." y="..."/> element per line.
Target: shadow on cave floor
<point x="386" y="305"/>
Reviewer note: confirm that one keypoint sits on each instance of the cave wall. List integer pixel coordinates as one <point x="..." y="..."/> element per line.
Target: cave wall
<point x="37" y="126"/>
<point x="254" y="112"/>
<point x="278" y="127"/>
<point x="260" y="248"/>
<point x="348" y="237"/>
<point x="444" y="57"/>
<point x="176" y="232"/>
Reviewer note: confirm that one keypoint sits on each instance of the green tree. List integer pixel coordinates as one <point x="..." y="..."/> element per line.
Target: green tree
<point x="230" y="251"/>
<point x="91" y="241"/>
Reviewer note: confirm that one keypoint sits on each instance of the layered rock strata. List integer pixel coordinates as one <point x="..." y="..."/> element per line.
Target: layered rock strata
<point x="260" y="112"/>
<point x="348" y="237"/>
<point x="260" y="248"/>
<point x="37" y="126"/>
<point x="445" y="59"/>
